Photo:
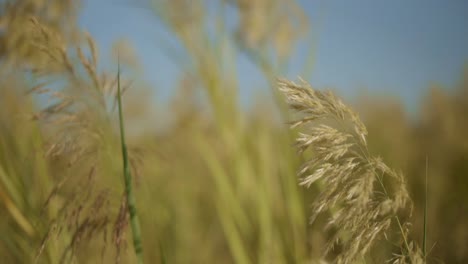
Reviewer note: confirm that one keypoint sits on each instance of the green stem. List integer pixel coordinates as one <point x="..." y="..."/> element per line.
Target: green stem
<point x="425" y="214"/>
<point x="128" y="181"/>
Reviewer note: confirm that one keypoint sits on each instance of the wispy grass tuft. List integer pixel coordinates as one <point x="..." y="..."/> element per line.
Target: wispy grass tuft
<point x="362" y="194"/>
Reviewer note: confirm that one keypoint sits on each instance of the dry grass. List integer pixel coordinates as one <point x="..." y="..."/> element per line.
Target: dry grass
<point x="354" y="184"/>
<point x="219" y="183"/>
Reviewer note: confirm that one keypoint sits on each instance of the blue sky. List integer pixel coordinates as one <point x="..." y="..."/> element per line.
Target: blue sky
<point x="396" y="47"/>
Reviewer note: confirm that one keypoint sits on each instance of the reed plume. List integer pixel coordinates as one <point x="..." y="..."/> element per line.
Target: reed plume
<point x="362" y="194"/>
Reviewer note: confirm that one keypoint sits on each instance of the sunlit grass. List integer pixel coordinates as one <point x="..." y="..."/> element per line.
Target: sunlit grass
<point x="220" y="184"/>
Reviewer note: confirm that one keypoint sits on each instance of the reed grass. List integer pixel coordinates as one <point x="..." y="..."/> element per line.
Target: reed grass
<point x="350" y="176"/>
<point x="217" y="182"/>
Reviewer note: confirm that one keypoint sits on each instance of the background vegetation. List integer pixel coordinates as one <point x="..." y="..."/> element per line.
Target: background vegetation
<point x="216" y="184"/>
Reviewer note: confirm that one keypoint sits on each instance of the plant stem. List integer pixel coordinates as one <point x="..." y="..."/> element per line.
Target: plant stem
<point x="425" y="214"/>
<point x="128" y="181"/>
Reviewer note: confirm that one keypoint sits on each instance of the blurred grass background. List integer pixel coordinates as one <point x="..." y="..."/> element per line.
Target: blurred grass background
<point x="215" y="182"/>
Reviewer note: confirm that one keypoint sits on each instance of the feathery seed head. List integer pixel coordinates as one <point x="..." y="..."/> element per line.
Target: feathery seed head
<point x="352" y="180"/>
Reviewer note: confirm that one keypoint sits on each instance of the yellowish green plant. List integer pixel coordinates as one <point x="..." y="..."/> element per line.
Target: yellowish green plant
<point x="216" y="182"/>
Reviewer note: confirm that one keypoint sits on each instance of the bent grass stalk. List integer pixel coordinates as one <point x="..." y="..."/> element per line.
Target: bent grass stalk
<point x="135" y="225"/>
<point x="342" y="164"/>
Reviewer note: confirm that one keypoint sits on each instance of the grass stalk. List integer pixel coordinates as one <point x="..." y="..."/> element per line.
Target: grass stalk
<point x="425" y="215"/>
<point x="134" y="222"/>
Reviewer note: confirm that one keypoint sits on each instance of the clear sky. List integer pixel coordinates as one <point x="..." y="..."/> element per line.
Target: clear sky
<point x="396" y="47"/>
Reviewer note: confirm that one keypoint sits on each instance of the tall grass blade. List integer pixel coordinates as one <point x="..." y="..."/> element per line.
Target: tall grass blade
<point x="425" y="215"/>
<point x="128" y="180"/>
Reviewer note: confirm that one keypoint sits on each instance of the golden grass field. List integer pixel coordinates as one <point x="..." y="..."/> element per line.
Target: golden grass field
<point x="301" y="177"/>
